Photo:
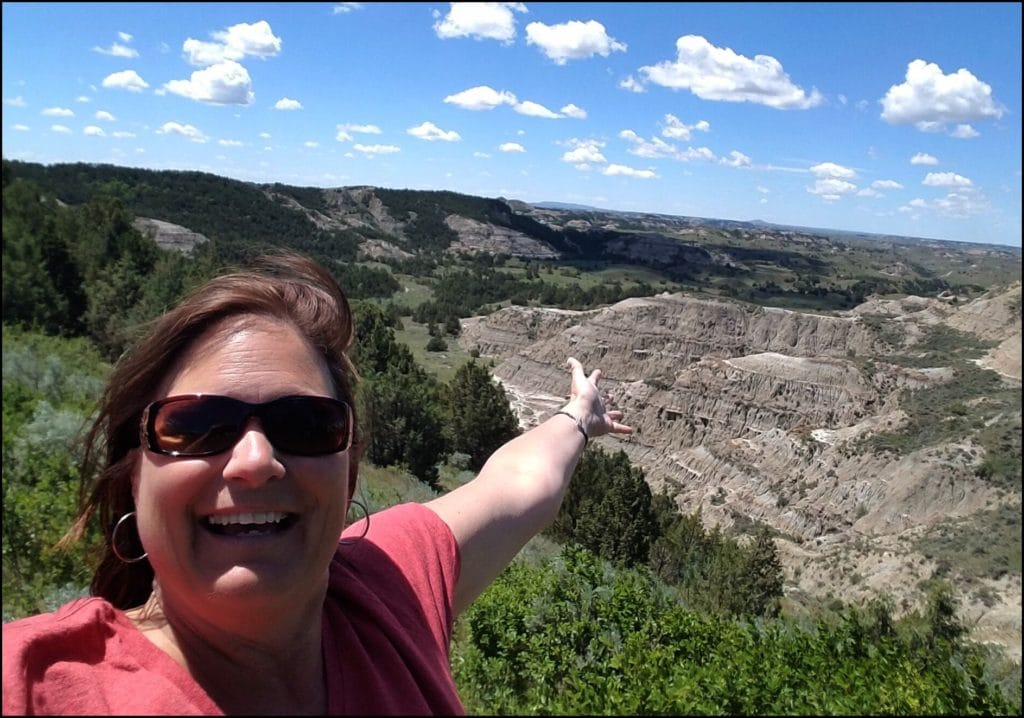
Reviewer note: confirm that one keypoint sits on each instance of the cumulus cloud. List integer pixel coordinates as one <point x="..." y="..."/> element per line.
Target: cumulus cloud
<point x="631" y="84"/>
<point x="344" y="132"/>
<point x="832" y="188"/>
<point x="480" y="21"/>
<point x="117" y="50"/>
<point x="238" y="41"/>
<point x="18" y="101"/>
<point x="188" y="131"/>
<point x="573" y="40"/>
<point x="346" y="7"/>
<point x="58" y="112"/>
<point x="511" y="147"/>
<point x="624" y="171"/>
<point x="717" y="73"/>
<point x="964" y="132"/>
<point x="735" y="159"/>
<point x="125" y="80"/>
<point x="886" y="184"/>
<point x="122" y="134"/>
<point x="229" y="143"/>
<point x="831" y="169"/>
<point x="946" y="179"/>
<point x="481" y="97"/>
<point x="94" y="131"/>
<point x="287" y="103"/>
<point x="62" y="129"/>
<point x="22" y="128"/>
<point x="577" y="113"/>
<point x="104" y="115"/>
<point x="482" y="155"/>
<point x="226" y="83"/>
<point x="431" y="132"/>
<point x="677" y="129"/>
<point x="534" y="109"/>
<point x="584" y="153"/>
<point x="930" y="100"/>
<point x="374" y="150"/>
<point x="923" y="158"/>
<point x="654" y="148"/>
<point x="960" y="204"/>
<point x="311" y="144"/>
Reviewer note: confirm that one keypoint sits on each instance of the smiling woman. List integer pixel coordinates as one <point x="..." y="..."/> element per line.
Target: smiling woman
<point x="220" y="469"/>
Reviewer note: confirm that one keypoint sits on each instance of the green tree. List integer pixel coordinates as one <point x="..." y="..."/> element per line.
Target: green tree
<point x="479" y="418"/>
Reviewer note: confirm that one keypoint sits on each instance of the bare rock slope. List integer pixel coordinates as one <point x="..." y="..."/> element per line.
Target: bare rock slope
<point x="762" y="414"/>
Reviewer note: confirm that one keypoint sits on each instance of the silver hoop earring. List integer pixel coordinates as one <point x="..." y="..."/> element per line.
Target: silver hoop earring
<point x="113" y="541"/>
<point x="366" y="527"/>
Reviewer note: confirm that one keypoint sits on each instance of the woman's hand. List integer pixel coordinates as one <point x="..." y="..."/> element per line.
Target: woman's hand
<point x="585" y="403"/>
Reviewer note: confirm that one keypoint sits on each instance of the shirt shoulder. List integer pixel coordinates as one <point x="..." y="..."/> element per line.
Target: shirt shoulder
<point x="88" y="658"/>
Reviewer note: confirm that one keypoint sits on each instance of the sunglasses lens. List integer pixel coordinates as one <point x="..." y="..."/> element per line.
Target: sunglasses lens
<point x="197" y="426"/>
<point x="307" y="425"/>
<point x="205" y="425"/>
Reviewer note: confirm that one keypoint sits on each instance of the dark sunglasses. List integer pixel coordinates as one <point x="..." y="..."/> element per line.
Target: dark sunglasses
<point x="206" y="424"/>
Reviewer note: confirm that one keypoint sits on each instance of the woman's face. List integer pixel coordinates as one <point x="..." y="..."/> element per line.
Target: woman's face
<point x="298" y="502"/>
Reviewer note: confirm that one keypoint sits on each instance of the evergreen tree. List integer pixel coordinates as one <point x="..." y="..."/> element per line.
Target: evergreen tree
<point x="479" y="418"/>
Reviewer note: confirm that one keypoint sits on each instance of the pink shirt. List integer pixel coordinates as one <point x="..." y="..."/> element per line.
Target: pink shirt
<point x="387" y="626"/>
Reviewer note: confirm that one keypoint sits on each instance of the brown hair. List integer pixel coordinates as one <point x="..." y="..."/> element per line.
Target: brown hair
<point x="284" y="286"/>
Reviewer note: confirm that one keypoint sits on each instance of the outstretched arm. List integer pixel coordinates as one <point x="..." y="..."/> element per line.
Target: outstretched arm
<point x="519" y="490"/>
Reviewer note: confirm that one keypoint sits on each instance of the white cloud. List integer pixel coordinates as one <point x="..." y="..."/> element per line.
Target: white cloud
<point x="584" y="152"/>
<point x="533" y="109"/>
<point x="311" y="144"/>
<point x="698" y="153"/>
<point x="238" y="41"/>
<point x="716" y="73"/>
<point x="946" y="179"/>
<point x="226" y="83"/>
<point x="624" y="171"/>
<point x="763" y="190"/>
<point x="62" y="129"/>
<point x="929" y="99"/>
<point x="18" y="101"/>
<point x="229" y="143"/>
<point x="577" y="113"/>
<point x="431" y="132"/>
<point x="832" y="188"/>
<point x="116" y="50"/>
<point x="480" y="21"/>
<point x="886" y="184"/>
<point x="121" y="134"/>
<point x="374" y="150"/>
<point x="345" y="131"/>
<point x="869" y="192"/>
<point x="125" y="37"/>
<point x="831" y="169"/>
<point x="922" y="158"/>
<point x="265" y="135"/>
<point x="104" y="115"/>
<point x="511" y="147"/>
<point x="573" y="40"/>
<point x="83" y="98"/>
<point x="481" y="97"/>
<point x="58" y="112"/>
<point x="187" y="131"/>
<point x="94" y="131"/>
<point x="287" y="103"/>
<point x="125" y="80"/>
<point x="482" y="155"/>
<point x="631" y="84"/>
<point x="346" y="7"/>
<point x="961" y="204"/>
<point x="678" y="130"/>
<point x="736" y="159"/>
<point x="964" y="132"/>
<point x="653" y="149"/>
<point x="22" y="128"/>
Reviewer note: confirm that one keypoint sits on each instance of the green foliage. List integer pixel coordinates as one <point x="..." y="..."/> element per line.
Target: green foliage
<point x="478" y="416"/>
<point x="608" y="509"/>
<point x="400" y="402"/>
<point x="50" y="386"/>
<point x="575" y="637"/>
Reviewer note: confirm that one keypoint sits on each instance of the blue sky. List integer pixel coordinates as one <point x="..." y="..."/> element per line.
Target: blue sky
<point x="875" y="117"/>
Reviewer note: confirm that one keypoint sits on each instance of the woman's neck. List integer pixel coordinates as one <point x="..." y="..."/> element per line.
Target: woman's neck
<point x="273" y="667"/>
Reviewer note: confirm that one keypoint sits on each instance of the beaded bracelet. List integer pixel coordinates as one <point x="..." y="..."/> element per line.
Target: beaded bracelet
<point x="579" y="425"/>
